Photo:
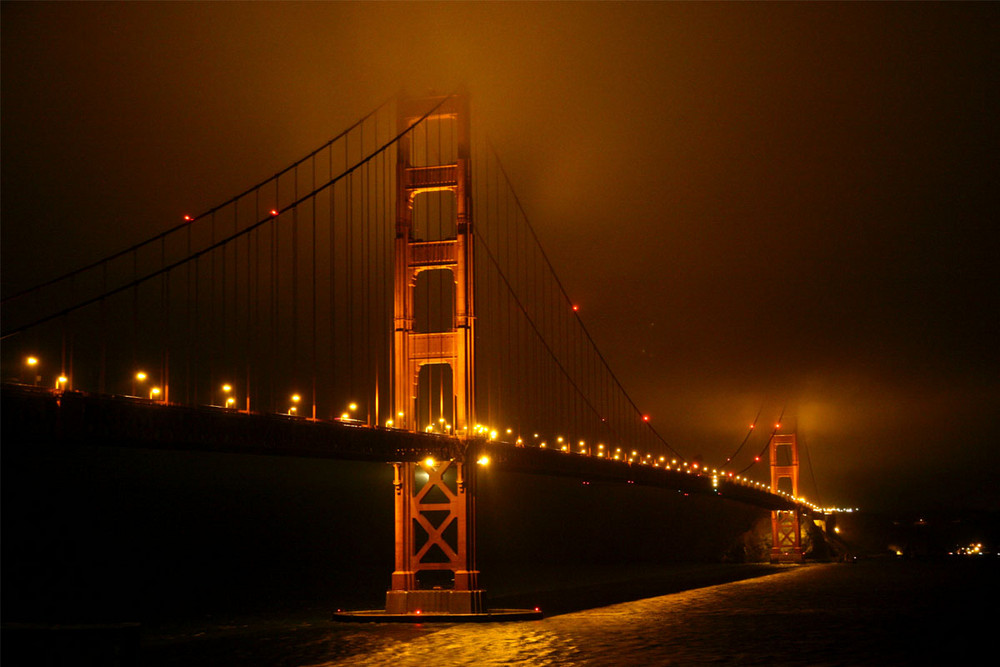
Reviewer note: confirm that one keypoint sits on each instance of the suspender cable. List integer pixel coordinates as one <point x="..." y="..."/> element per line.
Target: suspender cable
<point x="196" y="218"/>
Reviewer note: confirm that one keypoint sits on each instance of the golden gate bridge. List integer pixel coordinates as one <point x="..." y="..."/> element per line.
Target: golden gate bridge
<point x="383" y="298"/>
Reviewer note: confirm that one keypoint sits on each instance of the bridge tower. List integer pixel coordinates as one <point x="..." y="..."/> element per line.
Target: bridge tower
<point x="435" y="569"/>
<point x="786" y="534"/>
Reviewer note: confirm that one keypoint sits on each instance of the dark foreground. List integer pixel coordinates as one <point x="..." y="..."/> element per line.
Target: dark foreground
<point x="115" y="556"/>
<point x="877" y="612"/>
<point x="870" y="613"/>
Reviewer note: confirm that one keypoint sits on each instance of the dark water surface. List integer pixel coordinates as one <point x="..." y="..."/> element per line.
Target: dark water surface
<point x="123" y="557"/>
<point x="878" y="612"/>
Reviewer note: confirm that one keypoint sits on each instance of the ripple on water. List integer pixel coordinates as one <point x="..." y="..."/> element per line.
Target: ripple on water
<point x="877" y="613"/>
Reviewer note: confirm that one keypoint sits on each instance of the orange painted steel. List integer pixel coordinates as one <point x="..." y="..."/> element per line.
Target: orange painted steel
<point x="453" y="347"/>
<point x="435" y="500"/>
<point x="786" y="533"/>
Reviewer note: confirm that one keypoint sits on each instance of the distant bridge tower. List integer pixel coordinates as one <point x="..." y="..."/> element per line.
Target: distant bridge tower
<point x="786" y="534"/>
<point x="435" y="569"/>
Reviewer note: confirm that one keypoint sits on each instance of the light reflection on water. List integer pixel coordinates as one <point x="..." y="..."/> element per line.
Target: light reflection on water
<point x="873" y="613"/>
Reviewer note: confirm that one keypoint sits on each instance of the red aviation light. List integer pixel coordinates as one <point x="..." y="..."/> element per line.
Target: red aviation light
<point x="576" y="308"/>
<point x="274" y="212"/>
<point x="188" y="218"/>
<point x="645" y="418"/>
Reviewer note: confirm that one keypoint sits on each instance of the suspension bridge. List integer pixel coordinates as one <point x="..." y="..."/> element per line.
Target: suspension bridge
<point x="384" y="298"/>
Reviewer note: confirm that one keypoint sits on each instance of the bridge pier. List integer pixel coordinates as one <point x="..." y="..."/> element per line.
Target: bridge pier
<point x="786" y="532"/>
<point x="435" y="536"/>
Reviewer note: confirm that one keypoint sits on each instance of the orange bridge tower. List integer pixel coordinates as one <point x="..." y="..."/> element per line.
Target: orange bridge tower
<point x="786" y="534"/>
<point x="435" y="562"/>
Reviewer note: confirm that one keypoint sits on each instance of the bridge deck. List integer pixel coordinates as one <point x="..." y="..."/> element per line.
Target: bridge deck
<point x="35" y="416"/>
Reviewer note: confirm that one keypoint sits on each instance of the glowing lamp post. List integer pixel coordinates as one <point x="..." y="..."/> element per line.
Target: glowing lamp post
<point x="228" y="400"/>
<point x="139" y="377"/>
<point x="348" y="415"/>
<point x="32" y="363"/>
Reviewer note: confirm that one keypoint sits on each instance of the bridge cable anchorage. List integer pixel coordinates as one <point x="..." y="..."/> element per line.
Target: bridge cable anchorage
<point x="569" y="302"/>
<point x="277" y="212"/>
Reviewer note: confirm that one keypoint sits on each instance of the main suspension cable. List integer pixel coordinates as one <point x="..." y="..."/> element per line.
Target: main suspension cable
<point x="276" y="213"/>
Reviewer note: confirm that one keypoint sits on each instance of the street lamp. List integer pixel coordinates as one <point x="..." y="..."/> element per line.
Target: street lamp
<point x="140" y="376"/>
<point x="32" y="362"/>
<point x="154" y="393"/>
<point x="61" y="382"/>
<point x="295" y="404"/>
<point x="349" y="413"/>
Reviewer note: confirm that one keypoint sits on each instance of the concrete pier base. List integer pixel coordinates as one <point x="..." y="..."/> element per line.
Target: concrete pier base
<point x="492" y="616"/>
<point x="435" y="601"/>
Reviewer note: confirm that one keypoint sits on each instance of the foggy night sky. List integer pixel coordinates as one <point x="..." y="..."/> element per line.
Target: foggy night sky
<point x="787" y="205"/>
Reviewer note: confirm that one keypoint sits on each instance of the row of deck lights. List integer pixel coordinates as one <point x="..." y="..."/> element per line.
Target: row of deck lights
<point x="689" y="468"/>
<point x="229" y="401"/>
<point x="156" y="393"/>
